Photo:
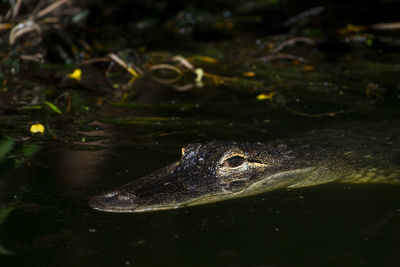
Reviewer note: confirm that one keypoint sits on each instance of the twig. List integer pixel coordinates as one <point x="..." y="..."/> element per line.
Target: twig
<point x="22" y="29"/>
<point x="36" y="57"/>
<point x="281" y="56"/>
<point x="95" y="60"/>
<point x="327" y="114"/>
<point x="184" y="62"/>
<point x="308" y="13"/>
<point x="51" y="8"/>
<point x="386" y="26"/>
<point x="135" y="71"/>
<point x="16" y="9"/>
<point x="292" y="41"/>
<point x="67" y="96"/>
<point x="168" y="67"/>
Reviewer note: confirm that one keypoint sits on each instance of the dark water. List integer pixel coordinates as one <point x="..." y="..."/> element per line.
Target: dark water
<point x="330" y="225"/>
<point x="51" y="223"/>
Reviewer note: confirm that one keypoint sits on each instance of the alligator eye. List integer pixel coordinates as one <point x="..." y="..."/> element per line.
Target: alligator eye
<point x="233" y="162"/>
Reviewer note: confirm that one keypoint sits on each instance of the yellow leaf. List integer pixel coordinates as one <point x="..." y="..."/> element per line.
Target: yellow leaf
<point x="266" y="96"/>
<point x="350" y="28"/>
<point x="6" y="26"/>
<point x="249" y="74"/>
<point x="203" y="58"/>
<point x="37" y="128"/>
<point x="308" y="68"/>
<point x="76" y="74"/>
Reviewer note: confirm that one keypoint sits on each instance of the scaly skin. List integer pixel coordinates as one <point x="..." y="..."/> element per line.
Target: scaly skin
<point x="218" y="171"/>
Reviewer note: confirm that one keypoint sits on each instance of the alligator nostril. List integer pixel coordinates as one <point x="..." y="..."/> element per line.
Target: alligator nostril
<point x="112" y="194"/>
<point x="112" y="201"/>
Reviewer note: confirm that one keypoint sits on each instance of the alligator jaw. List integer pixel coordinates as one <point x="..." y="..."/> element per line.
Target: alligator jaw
<point x="113" y="202"/>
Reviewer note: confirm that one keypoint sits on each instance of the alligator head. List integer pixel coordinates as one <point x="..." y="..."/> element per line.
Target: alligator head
<point x="206" y="173"/>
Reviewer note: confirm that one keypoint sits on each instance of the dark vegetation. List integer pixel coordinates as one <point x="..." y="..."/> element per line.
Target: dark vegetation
<point x="63" y="57"/>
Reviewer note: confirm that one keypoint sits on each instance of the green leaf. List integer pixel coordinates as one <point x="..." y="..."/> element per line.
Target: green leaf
<point x="4" y="212"/>
<point x="80" y="16"/>
<point x="5" y="147"/>
<point x="4" y="251"/>
<point x="30" y="150"/>
<point x="53" y="107"/>
<point x="32" y="107"/>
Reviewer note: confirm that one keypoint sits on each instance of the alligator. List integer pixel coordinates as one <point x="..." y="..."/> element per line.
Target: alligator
<point x="221" y="170"/>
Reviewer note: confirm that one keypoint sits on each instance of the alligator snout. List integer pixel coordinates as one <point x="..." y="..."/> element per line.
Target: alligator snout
<point x="115" y="201"/>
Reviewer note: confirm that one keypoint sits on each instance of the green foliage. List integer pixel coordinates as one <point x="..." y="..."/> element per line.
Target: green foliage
<point x="6" y="146"/>
<point x="12" y="155"/>
<point x="4" y="213"/>
<point x="53" y="107"/>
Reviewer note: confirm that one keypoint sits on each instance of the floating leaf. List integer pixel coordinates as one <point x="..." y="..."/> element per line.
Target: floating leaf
<point x="266" y="96"/>
<point x="37" y="128"/>
<point x="249" y="74"/>
<point x="76" y="74"/>
<point x="53" y="107"/>
<point x="203" y="58"/>
<point x="32" y="107"/>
